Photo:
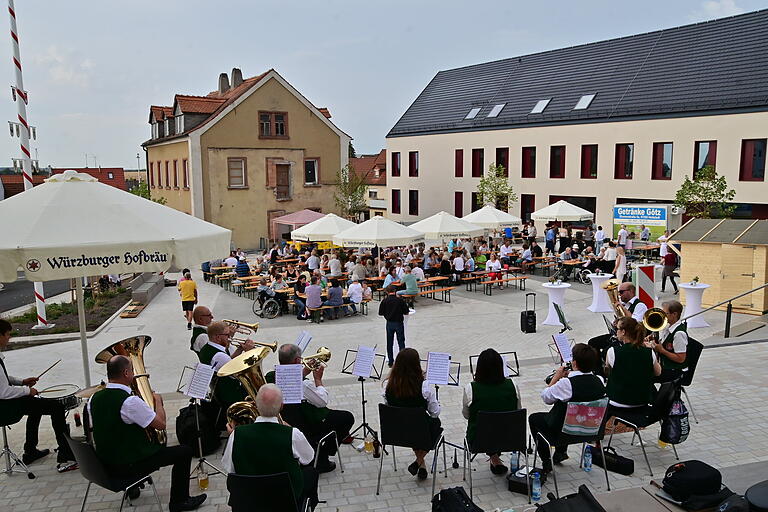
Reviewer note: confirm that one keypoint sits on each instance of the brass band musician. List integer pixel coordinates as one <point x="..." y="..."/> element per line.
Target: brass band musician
<point x="215" y="353"/>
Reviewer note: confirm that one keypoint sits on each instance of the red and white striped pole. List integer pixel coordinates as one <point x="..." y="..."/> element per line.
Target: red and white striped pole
<point x="26" y="160"/>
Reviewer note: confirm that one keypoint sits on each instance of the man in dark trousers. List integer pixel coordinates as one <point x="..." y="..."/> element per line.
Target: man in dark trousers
<point x="393" y="309"/>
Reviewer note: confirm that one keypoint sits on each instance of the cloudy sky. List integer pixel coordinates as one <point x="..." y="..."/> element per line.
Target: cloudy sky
<point x="93" y="67"/>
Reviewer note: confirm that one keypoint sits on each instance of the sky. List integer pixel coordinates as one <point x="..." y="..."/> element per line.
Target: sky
<point x="93" y="68"/>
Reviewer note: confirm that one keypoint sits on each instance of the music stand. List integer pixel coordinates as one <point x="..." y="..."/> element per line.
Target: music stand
<point x="453" y="380"/>
<point x="376" y="374"/>
<point x="199" y="389"/>
<point x="513" y="371"/>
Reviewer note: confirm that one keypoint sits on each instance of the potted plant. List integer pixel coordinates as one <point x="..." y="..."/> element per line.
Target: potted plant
<point x="695" y="281"/>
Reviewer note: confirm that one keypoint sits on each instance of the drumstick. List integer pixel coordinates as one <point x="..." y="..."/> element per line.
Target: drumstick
<point x="46" y="371"/>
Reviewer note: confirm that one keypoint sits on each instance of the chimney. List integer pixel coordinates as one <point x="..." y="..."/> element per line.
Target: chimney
<point x="223" y="83"/>
<point x="237" y="77"/>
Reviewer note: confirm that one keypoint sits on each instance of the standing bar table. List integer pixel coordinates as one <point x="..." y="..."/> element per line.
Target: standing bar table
<point x="600" y="301"/>
<point x="556" y="294"/>
<point x="693" y="295"/>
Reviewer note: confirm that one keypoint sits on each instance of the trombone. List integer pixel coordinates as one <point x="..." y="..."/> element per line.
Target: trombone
<point x="655" y="320"/>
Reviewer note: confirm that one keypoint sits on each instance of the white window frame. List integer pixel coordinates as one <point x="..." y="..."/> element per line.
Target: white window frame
<point x="317" y="166"/>
<point x="473" y="112"/>
<point x="584" y="102"/>
<point x="230" y="183"/>
<point x="155" y="130"/>
<point x="179" y="123"/>
<point x="496" y="110"/>
<point x="540" y="106"/>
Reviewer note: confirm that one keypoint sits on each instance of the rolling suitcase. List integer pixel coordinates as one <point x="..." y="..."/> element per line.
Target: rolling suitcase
<point x="528" y="317"/>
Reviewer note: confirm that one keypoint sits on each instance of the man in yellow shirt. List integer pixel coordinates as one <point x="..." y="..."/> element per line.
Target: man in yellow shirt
<point x="188" y="292"/>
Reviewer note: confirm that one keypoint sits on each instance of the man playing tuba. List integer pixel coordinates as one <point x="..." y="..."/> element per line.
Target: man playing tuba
<point x="214" y="353"/>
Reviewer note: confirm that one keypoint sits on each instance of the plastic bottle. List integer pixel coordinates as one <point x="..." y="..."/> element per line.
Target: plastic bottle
<point x="587" y="459"/>
<point x="514" y="462"/>
<point x="536" y="487"/>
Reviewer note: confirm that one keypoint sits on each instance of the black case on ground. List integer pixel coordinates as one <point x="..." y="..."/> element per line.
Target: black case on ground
<point x="518" y="485"/>
<point x="528" y="317"/>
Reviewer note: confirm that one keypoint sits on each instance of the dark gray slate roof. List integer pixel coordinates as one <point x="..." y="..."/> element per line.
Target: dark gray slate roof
<point x="719" y="65"/>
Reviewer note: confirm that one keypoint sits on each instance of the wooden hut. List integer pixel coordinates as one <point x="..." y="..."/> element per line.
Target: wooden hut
<point x="731" y="255"/>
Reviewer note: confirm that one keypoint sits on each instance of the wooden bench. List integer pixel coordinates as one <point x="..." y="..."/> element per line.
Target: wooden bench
<point x="471" y="282"/>
<point x="446" y="293"/>
<point x="547" y="267"/>
<point x="518" y="280"/>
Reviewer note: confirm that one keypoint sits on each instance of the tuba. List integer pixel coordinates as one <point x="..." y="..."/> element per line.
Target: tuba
<point x="246" y="368"/>
<point x="611" y="287"/>
<point x="133" y="349"/>
<point x="318" y="360"/>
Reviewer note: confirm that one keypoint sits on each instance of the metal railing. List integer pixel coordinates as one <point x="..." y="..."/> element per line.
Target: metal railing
<point x="728" y="309"/>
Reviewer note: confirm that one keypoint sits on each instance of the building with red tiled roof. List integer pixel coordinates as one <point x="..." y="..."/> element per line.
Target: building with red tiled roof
<point x="114" y="176"/>
<point x="373" y="168"/>
<point x="14" y="183"/>
<point x="252" y="150"/>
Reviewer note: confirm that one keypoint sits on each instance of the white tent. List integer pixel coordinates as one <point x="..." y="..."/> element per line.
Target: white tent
<point x="492" y="218"/>
<point x="562" y="210"/>
<point x="321" y="230"/>
<point x="444" y="226"/>
<point x="72" y="226"/>
<point x="377" y="231"/>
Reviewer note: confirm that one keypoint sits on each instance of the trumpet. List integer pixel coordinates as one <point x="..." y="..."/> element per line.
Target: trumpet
<point x="317" y="361"/>
<point x="243" y="328"/>
<point x="238" y="342"/>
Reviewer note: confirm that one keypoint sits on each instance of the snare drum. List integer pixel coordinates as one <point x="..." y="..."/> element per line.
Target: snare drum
<point x="66" y="394"/>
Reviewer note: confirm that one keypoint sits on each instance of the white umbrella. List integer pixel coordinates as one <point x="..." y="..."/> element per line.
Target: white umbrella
<point x="72" y="226"/>
<point x="562" y="210"/>
<point x="444" y="226"/>
<point x="377" y="231"/>
<point x="321" y="230"/>
<point x="492" y="218"/>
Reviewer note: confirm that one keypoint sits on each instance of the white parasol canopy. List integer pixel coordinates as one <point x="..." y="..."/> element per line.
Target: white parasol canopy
<point x="492" y="218"/>
<point x="72" y="226"/>
<point x="562" y="210"/>
<point x="377" y="231"/>
<point x="321" y="230"/>
<point x="444" y="226"/>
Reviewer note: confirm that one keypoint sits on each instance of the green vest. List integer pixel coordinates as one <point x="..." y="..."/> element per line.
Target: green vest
<point x="585" y="388"/>
<point x="630" y="382"/>
<point x="227" y="390"/>
<point x="491" y="398"/>
<point x="668" y="345"/>
<point x="266" y="449"/>
<point x="408" y="401"/>
<point x="309" y="415"/>
<point x="116" y="441"/>
<point x="196" y="331"/>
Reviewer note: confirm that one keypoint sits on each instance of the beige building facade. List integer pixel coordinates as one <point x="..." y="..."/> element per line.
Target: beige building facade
<point x="245" y="154"/>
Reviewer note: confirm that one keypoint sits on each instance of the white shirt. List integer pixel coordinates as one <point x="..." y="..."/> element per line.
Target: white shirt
<point x="645" y="234"/>
<point x="493" y="266"/>
<point x="313" y="263"/>
<point x="561" y="391"/>
<point x="622" y="265"/>
<point x="679" y="342"/>
<point x="467" y="399"/>
<point x="400" y="271"/>
<point x="623" y="233"/>
<point x="506" y="250"/>
<point x="640" y="309"/>
<point x="348" y="266"/>
<point x="13" y="390"/>
<point x="532" y="230"/>
<point x="600" y="235"/>
<point x="458" y="264"/>
<point x="418" y="272"/>
<point x="302" y="450"/>
<point x="428" y="392"/>
<point x="663" y="249"/>
<point x="201" y="340"/>
<point x="316" y="395"/>
<point x="527" y="255"/>
<point x="134" y="410"/>
<point x="355" y="292"/>
<point x="334" y="267"/>
<point x="221" y="358"/>
<point x="230" y="262"/>
<point x="610" y="254"/>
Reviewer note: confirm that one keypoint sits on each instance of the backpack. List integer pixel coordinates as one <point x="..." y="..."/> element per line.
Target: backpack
<point x="454" y="499"/>
<point x="734" y="503"/>
<point x="186" y="428"/>
<point x="692" y="477"/>
<point x="582" y="501"/>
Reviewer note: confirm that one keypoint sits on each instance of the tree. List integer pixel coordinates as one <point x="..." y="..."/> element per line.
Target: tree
<point x="142" y="190"/>
<point x="351" y="194"/>
<point x="706" y="195"/>
<point x="494" y="188"/>
<point x="352" y="153"/>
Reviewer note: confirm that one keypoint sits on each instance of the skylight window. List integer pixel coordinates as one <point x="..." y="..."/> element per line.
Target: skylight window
<point x="540" y="106"/>
<point x="584" y="102"/>
<point x="473" y="113"/>
<point x="496" y="110"/>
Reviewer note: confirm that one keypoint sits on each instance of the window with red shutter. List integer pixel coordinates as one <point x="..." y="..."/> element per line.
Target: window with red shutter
<point x="704" y="154"/>
<point x="175" y="174"/>
<point x="661" y="166"/>
<point x="413" y="202"/>
<point x="557" y="162"/>
<point x="458" y="204"/>
<point x="529" y="162"/>
<point x="502" y="159"/>
<point x="477" y="163"/>
<point x="413" y="164"/>
<point x="752" y="160"/>
<point x="185" y="171"/>
<point x="396" y="164"/>
<point x="589" y="161"/>
<point x="151" y="174"/>
<point x="625" y="159"/>
<point x="458" y="163"/>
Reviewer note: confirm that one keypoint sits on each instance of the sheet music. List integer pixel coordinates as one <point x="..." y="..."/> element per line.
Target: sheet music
<point x="288" y="378"/>
<point x="507" y="372"/>
<point x="303" y="340"/>
<point x="563" y="346"/>
<point x="438" y="368"/>
<point x="200" y="382"/>
<point x="364" y="361"/>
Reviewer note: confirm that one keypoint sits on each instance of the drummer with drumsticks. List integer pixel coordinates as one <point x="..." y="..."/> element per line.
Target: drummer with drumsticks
<point x="18" y="398"/>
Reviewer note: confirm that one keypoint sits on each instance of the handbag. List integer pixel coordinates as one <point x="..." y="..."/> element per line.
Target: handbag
<point x="675" y="427"/>
<point x="454" y="499"/>
<point x="614" y="462"/>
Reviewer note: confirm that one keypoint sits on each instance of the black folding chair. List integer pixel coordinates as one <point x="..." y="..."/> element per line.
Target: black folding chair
<point x="692" y="356"/>
<point x="407" y="427"/>
<point x="327" y="438"/>
<point x="95" y="472"/>
<point x="498" y="432"/>
<point x="591" y="433"/>
<point x="266" y="493"/>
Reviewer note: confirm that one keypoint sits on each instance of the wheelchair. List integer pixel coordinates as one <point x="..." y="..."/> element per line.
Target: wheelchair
<point x="267" y="307"/>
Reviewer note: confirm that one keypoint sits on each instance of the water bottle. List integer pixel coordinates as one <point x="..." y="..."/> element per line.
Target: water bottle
<point x="587" y="459"/>
<point x="514" y="462"/>
<point x="536" y="487"/>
